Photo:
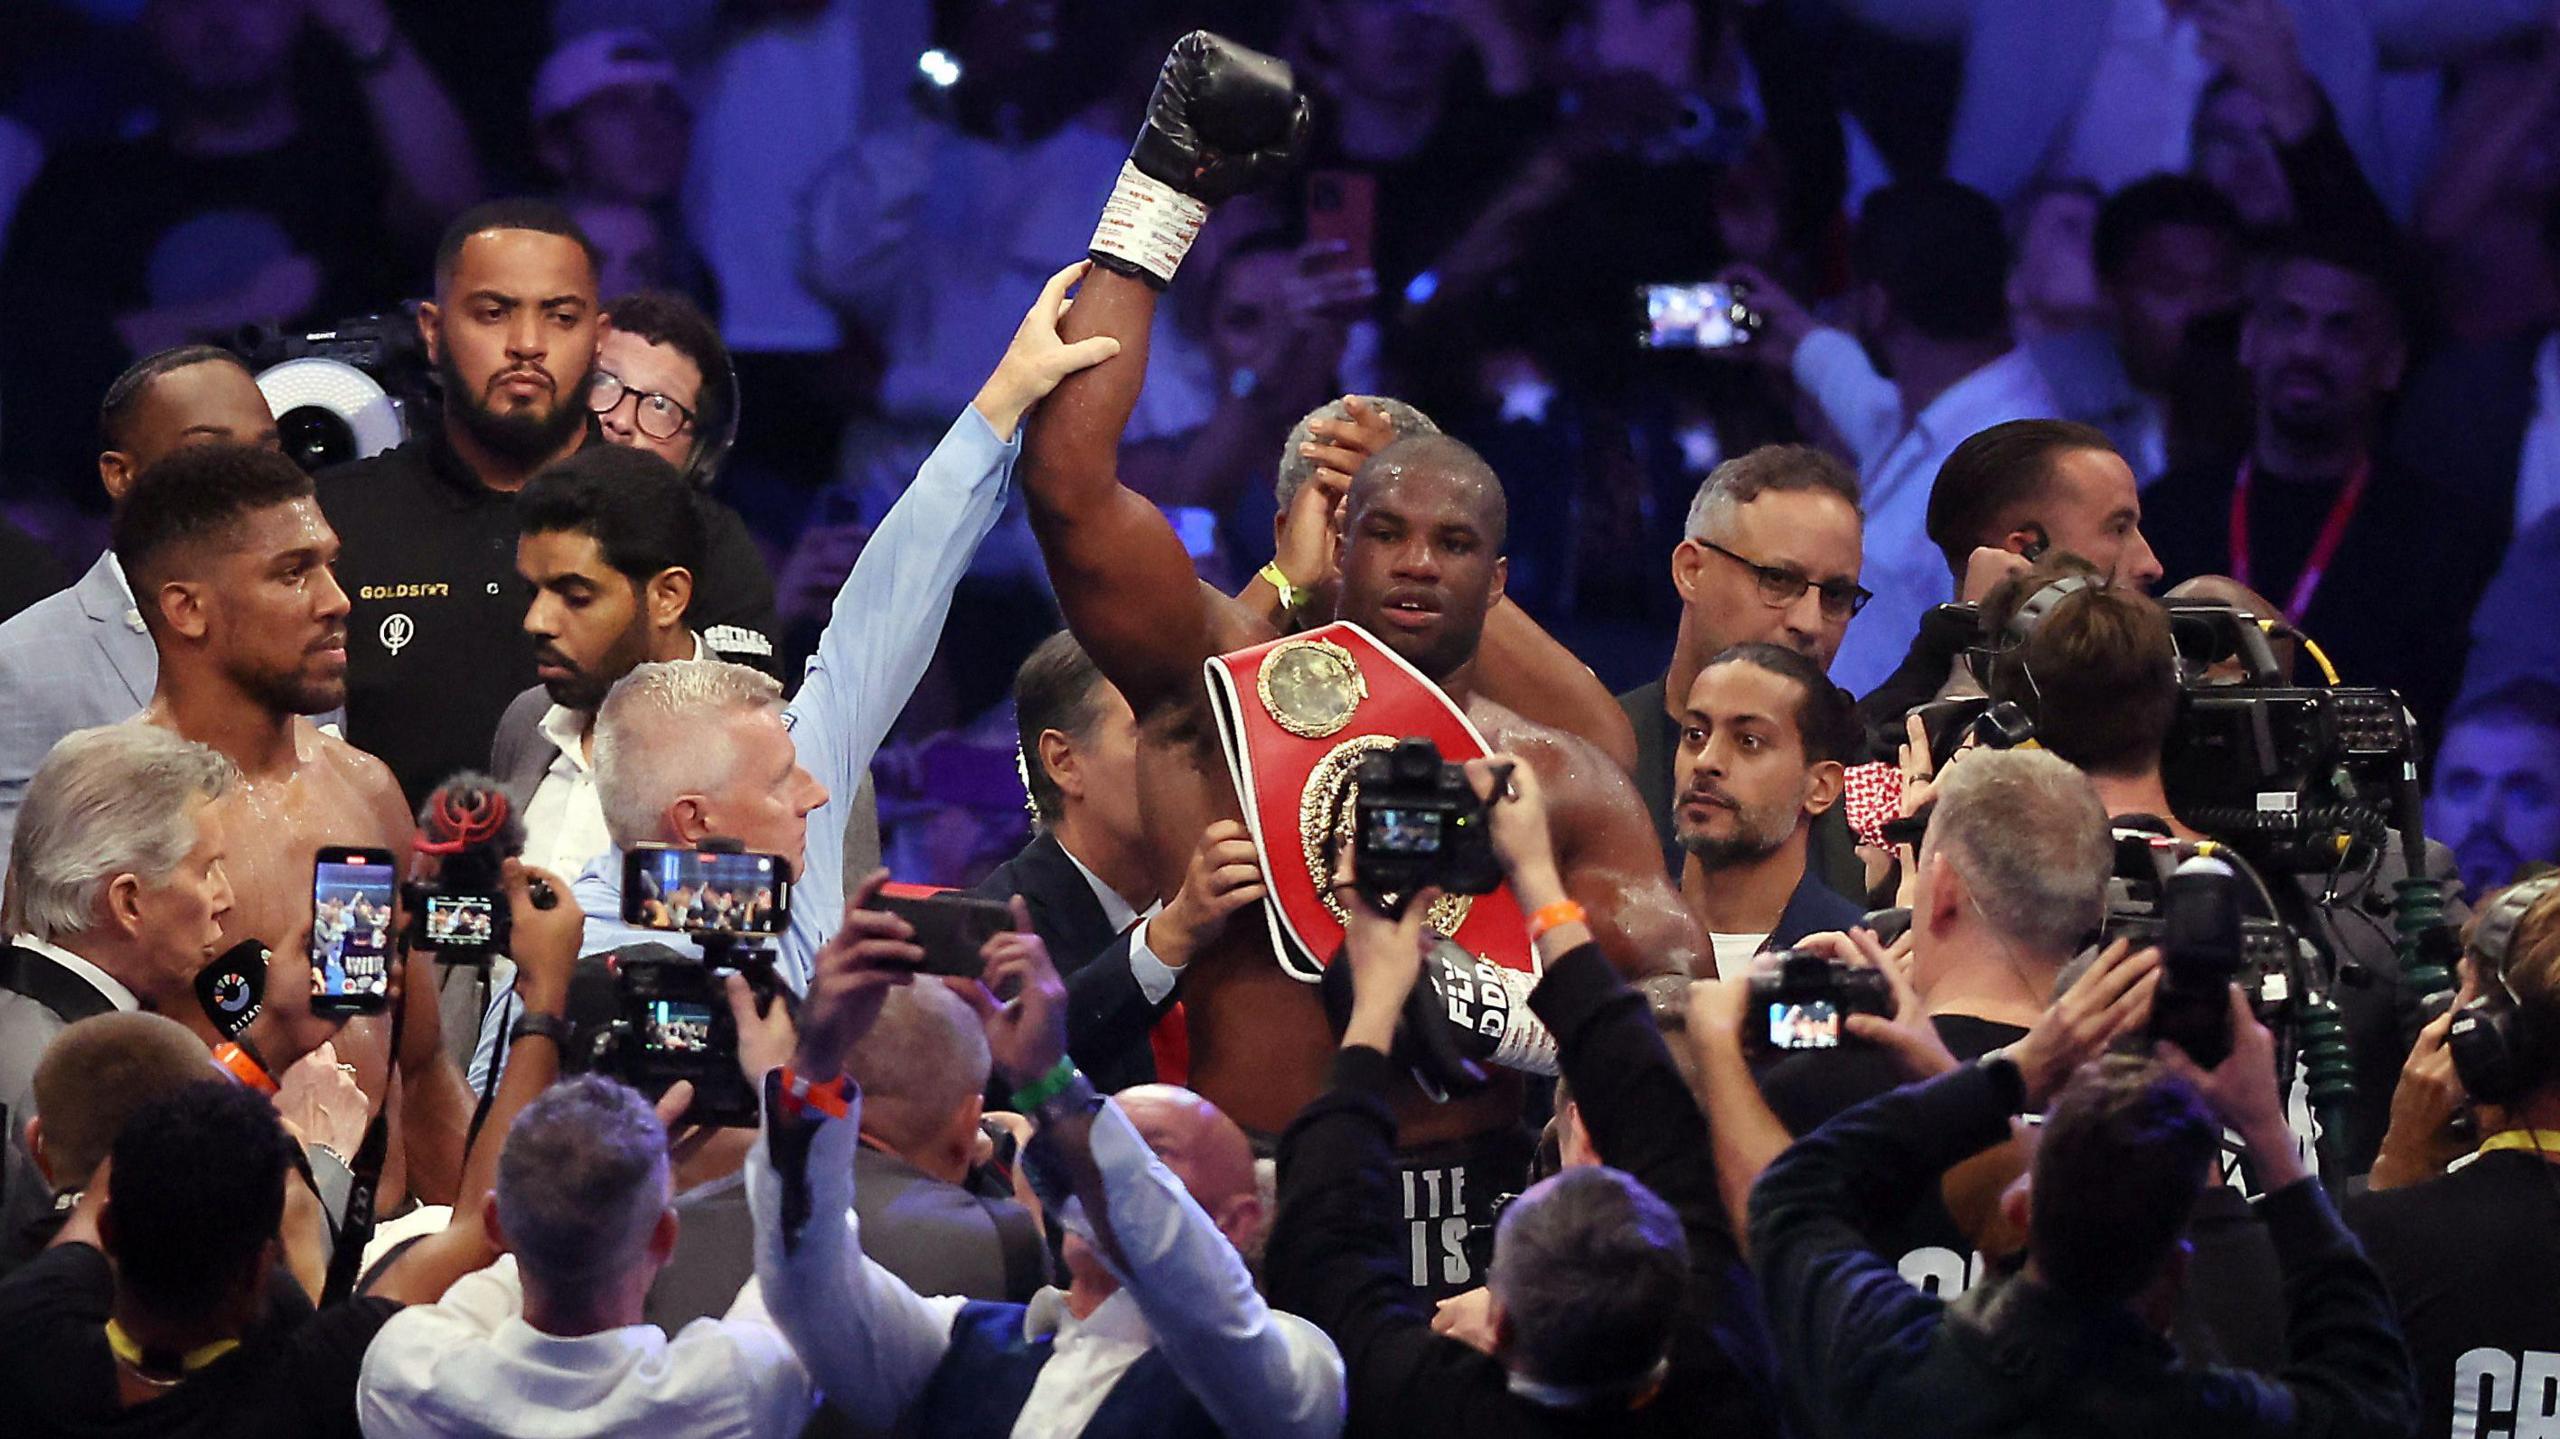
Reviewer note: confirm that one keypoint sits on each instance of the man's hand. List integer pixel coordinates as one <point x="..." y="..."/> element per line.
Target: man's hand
<point x="1225" y="875"/>
<point x="320" y="1099"/>
<point x="850" y="979"/>
<point x="1986" y="567"/>
<point x="545" y="942"/>
<point x="1340" y="447"/>
<point x="813" y="574"/>
<point x="2243" y="1092"/>
<point x="1907" y="1035"/>
<point x="1718" y="1009"/>
<point x="1518" y="815"/>
<point x="1310" y="532"/>
<point x="2421" y="1140"/>
<point x="1026" y="1033"/>
<point x="1037" y="359"/>
<point x="286" y="1029"/>
<point x="766" y="1040"/>
<point x="1783" y="322"/>
<point x="2253" y="42"/>
<point x="1467" y="1318"/>
<point x="1385" y="956"/>
<point x="2113" y="998"/>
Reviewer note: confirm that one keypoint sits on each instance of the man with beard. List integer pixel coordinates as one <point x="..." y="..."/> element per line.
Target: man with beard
<point x="430" y="527"/>
<point x="2496" y="796"/>
<point x="2377" y="562"/>
<point x="1420" y="568"/>
<point x="230" y="562"/>
<point x="1761" y="746"/>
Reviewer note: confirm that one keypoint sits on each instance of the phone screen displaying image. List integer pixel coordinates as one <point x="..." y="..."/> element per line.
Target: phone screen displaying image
<point x="352" y="929"/>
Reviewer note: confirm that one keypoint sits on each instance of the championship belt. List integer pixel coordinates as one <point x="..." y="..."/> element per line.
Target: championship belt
<point x="1295" y="719"/>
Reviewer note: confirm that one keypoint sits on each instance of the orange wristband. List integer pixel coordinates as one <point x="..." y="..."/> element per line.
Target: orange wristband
<point x="799" y="1096"/>
<point x="1556" y="916"/>
<point x="236" y="1062"/>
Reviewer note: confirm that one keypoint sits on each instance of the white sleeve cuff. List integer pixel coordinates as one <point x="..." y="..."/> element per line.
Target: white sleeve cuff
<point x="1156" y="979"/>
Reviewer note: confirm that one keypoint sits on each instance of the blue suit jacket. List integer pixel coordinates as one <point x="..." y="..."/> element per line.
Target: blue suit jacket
<point x="76" y="658"/>
<point x="1815" y="908"/>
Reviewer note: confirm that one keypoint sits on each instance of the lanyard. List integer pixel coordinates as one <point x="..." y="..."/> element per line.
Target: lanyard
<point x="2333" y="532"/>
<point x="2545" y="1142"/>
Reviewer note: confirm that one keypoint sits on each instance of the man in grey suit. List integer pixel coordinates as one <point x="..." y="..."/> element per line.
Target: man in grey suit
<point x="81" y="657"/>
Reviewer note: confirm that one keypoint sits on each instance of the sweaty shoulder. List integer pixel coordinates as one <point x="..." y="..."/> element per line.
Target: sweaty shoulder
<point x="1576" y="771"/>
<point x="369" y="777"/>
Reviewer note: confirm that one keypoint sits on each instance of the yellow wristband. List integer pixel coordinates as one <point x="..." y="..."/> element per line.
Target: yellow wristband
<point x="1292" y="597"/>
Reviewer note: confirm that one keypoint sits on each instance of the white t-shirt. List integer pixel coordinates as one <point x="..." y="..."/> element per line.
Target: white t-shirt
<point x="1735" y="953"/>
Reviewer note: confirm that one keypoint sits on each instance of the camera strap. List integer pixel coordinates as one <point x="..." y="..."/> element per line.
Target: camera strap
<point x="2333" y="533"/>
<point x="355" y="1231"/>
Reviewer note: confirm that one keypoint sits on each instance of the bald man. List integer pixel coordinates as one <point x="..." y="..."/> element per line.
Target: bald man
<point x="1159" y="1329"/>
<point x="80" y="657"/>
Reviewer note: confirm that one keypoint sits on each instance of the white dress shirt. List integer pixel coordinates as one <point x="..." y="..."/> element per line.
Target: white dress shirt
<point x="1155" y="978"/>
<point x="1737" y="953"/>
<point x="104" y="983"/>
<point x="469" y="1364"/>
<point x="872" y="1344"/>
<point x="1897" y="466"/>
<point x="564" y="821"/>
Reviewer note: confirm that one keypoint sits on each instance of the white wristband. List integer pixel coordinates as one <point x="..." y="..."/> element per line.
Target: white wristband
<point x="1148" y="223"/>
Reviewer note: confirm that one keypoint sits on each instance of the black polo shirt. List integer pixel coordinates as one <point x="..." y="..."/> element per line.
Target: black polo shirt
<point x="435" y="642"/>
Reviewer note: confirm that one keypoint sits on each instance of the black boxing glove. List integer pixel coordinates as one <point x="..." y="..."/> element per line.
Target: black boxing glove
<point x="1223" y="120"/>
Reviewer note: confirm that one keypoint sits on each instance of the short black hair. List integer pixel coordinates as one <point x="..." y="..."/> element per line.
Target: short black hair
<point x="2530" y="699"/>
<point x="2156" y="202"/>
<point x="1941" y="252"/>
<point x="1826" y="718"/>
<point x="2378" y="260"/>
<point x="663" y="317"/>
<point x="124" y="393"/>
<point x="516" y="212"/>
<point x="1994" y="471"/>
<point x="1057" y="688"/>
<point x="195" y="1192"/>
<point x="193" y="495"/>
<point x="630" y="501"/>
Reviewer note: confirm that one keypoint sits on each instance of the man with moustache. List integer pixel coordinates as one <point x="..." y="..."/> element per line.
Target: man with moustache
<point x="230" y="562"/>
<point x="435" y="645"/>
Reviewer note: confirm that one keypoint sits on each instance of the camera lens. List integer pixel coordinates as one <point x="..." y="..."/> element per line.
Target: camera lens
<point x="315" y="438"/>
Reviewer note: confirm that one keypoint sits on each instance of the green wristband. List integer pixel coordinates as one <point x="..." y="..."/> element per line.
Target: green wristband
<point x="1047" y="1087"/>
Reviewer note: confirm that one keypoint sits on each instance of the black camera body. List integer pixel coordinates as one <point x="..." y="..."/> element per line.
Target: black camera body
<point x="462" y="915"/>
<point x="671" y="1022"/>
<point x="1807" y="997"/>
<point x="1418" y="823"/>
<point x="2298" y="780"/>
<point x="2213" y="929"/>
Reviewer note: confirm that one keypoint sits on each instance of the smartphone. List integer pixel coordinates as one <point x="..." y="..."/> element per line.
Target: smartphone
<point x="1704" y="316"/>
<point x="1342" y="210"/>
<point x="706" y="891"/>
<point x="951" y="926"/>
<point x="228" y="989"/>
<point x="352" y="929"/>
<point x="1804" y="1024"/>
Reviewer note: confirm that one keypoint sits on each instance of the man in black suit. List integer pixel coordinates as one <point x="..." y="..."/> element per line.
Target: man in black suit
<point x="1084" y="874"/>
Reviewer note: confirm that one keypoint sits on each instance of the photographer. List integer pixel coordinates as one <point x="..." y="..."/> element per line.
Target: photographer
<point x="187" y="1329"/>
<point x="2098" y="673"/>
<point x="2012" y="873"/>
<point x="2072" y="1344"/>
<point x="1619" y="1298"/>
<point x="1160" y="1329"/>
<point x="2471" y="1257"/>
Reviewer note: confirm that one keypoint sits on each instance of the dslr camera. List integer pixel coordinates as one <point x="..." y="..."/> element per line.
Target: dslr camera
<point x="671" y="1022"/>
<point x="1418" y="823"/>
<point x="1807" y="998"/>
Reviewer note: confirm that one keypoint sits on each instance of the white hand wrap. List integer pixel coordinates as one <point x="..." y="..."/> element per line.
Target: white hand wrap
<point x="1148" y="223"/>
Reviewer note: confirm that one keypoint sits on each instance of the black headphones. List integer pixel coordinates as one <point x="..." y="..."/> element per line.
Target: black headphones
<point x="2494" y="1053"/>
<point x="2022" y="625"/>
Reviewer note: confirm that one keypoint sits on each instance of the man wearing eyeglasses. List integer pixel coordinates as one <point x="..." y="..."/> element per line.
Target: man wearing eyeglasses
<point x="435" y="645"/>
<point x="1771" y="557"/>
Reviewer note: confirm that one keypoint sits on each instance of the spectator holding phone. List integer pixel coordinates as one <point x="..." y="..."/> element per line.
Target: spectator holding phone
<point x="1619" y="1299"/>
<point x="1159" y="1330"/>
<point x="2074" y="1343"/>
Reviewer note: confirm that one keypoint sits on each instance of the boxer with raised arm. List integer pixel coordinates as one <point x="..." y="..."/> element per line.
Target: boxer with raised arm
<point x="1420" y="565"/>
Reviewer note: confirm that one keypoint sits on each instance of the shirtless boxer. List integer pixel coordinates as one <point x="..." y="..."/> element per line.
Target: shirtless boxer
<point x="1420" y="570"/>
<point x="230" y="564"/>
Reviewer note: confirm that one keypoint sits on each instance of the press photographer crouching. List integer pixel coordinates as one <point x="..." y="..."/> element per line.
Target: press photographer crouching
<point x="1619" y="1302"/>
<point x="1160" y="1330"/>
<point x="2464" y="1219"/>
<point x="2075" y="1342"/>
<point x="2119" y="686"/>
<point x="160" y="1308"/>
